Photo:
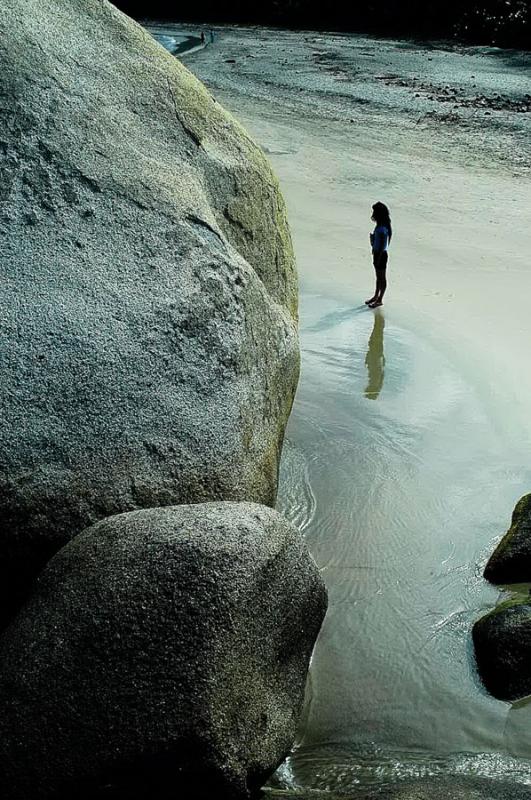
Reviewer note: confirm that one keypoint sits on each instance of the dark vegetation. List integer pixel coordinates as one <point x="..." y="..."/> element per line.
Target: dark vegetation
<point x="506" y="23"/>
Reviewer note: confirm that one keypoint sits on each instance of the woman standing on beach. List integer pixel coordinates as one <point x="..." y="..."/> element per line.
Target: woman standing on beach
<point x="380" y="240"/>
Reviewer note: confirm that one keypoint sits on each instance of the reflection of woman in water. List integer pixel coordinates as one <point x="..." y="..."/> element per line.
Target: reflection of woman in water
<point x="375" y="359"/>
<point x="380" y="240"/>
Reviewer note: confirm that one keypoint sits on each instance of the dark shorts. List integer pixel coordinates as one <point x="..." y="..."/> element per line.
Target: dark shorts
<point x="380" y="260"/>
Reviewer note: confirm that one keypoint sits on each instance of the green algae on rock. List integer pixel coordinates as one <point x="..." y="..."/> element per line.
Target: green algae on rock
<point x="511" y="561"/>
<point x="502" y="645"/>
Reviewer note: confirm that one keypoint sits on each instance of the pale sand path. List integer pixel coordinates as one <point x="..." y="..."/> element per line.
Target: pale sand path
<point x="460" y="264"/>
<point x="460" y="258"/>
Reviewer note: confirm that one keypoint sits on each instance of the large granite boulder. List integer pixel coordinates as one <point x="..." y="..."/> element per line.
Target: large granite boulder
<point x="148" y="345"/>
<point x="511" y="561"/>
<point x="502" y="644"/>
<point x="162" y="649"/>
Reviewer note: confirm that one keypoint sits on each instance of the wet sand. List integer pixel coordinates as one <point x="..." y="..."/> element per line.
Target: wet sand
<point x="409" y="440"/>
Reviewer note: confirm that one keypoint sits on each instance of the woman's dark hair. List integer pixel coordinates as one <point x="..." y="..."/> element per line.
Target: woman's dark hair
<point x="380" y="214"/>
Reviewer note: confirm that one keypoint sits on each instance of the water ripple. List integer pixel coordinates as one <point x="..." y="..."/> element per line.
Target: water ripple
<point x="339" y="768"/>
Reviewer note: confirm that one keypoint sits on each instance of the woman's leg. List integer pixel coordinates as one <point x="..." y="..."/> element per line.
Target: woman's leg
<point x="382" y="268"/>
<point x="375" y="295"/>
<point x="381" y="286"/>
<point x="382" y="281"/>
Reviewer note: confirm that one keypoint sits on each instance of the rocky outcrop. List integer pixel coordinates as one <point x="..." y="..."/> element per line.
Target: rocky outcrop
<point x="162" y="649"/>
<point x="148" y="342"/>
<point x="502" y="643"/>
<point x="502" y="638"/>
<point x="511" y="561"/>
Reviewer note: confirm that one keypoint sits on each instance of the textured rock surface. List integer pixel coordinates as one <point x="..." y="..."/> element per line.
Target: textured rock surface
<point x="166" y="646"/>
<point x="511" y="561"/>
<point x="148" y="345"/>
<point x="502" y="642"/>
<point x="451" y="788"/>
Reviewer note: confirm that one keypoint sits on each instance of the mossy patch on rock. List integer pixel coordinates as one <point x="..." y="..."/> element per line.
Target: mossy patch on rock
<point x="511" y="561"/>
<point x="502" y="644"/>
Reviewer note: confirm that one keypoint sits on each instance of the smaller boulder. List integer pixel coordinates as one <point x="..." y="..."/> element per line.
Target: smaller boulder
<point x="163" y="651"/>
<point x="511" y="561"/>
<point x="502" y="643"/>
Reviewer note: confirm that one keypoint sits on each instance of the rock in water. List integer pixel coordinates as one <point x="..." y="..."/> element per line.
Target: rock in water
<point x="162" y="648"/>
<point x="502" y="643"/>
<point x="511" y="561"/>
<point x="148" y="344"/>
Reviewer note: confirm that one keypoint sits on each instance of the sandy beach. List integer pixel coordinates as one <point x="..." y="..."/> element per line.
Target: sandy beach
<point x="409" y="441"/>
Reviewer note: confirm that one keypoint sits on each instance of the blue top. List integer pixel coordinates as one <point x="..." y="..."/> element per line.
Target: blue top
<point x="380" y="239"/>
